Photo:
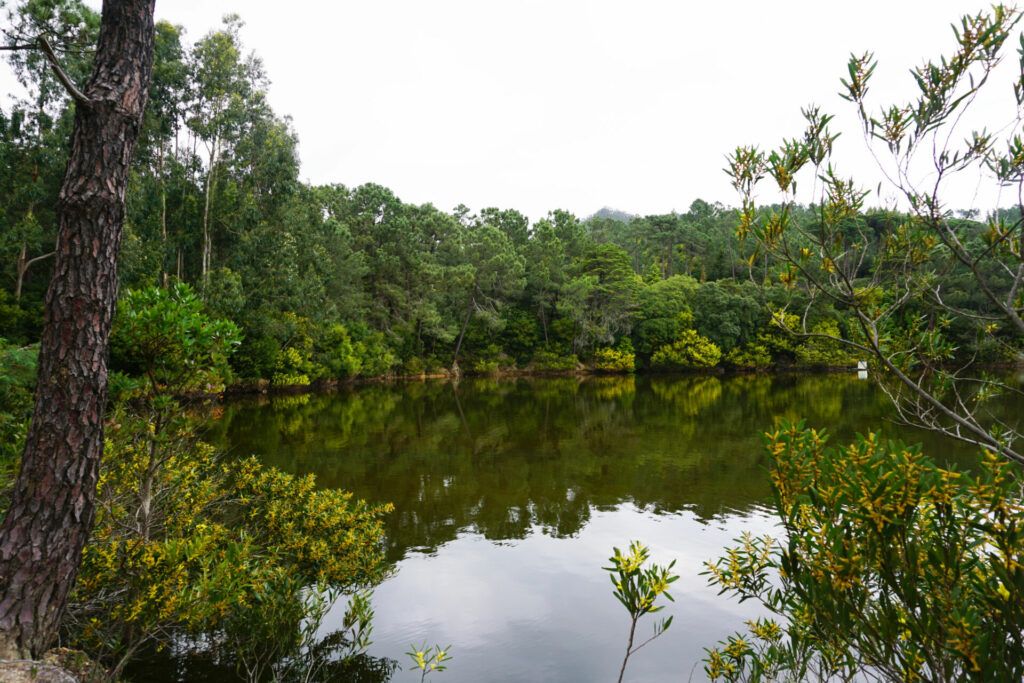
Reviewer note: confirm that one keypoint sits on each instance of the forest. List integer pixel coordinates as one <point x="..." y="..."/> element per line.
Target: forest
<point x="160" y="253"/>
<point x="333" y="283"/>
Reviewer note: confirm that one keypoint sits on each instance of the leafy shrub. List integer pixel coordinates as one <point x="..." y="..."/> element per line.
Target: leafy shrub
<point x="293" y="368"/>
<point x="206" y="548"/>
<point x="520" y="333"/>
<point x="414" y="366"/>
<point x="185" y="548"/>
<point x="552" y="361"/>
<point x="342" y="358"/>
<point x="16" y="323"/>
<point x="377" y="358"/>
<point x="166" y="337"/>
<point x="728" y="313"/>
<point x="889" y="564"/>
<point x="752" y="356"/>
<point x="818" y="351"/>
<point x="485" y="366"/>
<point x="256" y="357"/>
<point x="614" y="360"/>
<point x="691" y="350"/>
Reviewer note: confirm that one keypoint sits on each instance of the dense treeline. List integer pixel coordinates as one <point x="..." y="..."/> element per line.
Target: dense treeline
<point x="330" y="282"/>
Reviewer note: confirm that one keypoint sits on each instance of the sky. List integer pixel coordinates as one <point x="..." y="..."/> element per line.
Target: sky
<point x="574" y="104"/>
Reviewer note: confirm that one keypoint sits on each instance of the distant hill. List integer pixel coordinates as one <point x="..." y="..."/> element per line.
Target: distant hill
<point x="614" y="214"/>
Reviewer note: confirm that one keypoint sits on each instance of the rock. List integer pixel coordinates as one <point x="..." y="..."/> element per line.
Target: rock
<point x="28" y="671"/>
<point x="59" y="665"/>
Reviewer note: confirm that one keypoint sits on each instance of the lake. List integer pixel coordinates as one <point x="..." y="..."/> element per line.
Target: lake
<point x="510" y="495"/>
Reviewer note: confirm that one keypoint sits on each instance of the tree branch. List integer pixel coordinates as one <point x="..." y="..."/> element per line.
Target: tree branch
<point x="62" y="76"/>
<point x="38" y="258"/>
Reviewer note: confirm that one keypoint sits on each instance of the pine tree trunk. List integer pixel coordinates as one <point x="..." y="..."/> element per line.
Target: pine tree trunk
<point x="52" y="505"/>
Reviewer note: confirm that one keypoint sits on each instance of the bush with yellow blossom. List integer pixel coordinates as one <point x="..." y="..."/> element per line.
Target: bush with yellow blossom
<point x="887" y="564"/>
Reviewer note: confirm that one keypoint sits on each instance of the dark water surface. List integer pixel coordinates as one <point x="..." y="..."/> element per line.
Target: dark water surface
<point x="509" y="496"/>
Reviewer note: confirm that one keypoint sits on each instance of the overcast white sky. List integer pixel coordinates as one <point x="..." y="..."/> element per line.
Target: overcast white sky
<point x="576" y="104"/>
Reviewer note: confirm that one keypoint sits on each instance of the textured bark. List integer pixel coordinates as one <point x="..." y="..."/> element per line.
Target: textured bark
<point x="52" y="506"/>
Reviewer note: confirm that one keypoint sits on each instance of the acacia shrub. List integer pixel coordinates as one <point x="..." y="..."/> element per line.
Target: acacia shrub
<point x="887" y="563"/>
<point x="188" y="548"/>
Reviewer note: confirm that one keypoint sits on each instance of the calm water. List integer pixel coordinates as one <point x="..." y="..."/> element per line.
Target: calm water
<point x="510" y="495"/>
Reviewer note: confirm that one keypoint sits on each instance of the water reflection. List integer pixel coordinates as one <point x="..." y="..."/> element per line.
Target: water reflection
<point x="504" y="458"/>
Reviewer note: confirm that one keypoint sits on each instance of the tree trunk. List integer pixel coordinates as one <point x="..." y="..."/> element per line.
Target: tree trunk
<point x="462" y="332"/>
<point x="163" y="219"/>
<point x="207" y="240"/>
<point x="20" y="269"/>
<point x="52" y="505"/>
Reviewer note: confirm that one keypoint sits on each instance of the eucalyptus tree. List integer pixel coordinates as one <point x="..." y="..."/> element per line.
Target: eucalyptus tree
<point x="53" y="501"/>
<point x="898" y="294"/>
<point x="159" y="160"/>
<point x="224" y="81"/>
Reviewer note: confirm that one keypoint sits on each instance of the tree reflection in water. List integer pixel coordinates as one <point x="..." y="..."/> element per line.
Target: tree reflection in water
<point x="503" y="458"/>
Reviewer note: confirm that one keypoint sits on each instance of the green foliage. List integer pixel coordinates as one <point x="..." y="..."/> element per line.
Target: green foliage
<point x="377" y="357"/>
<point x="614" y="360"/>
<point x="184" y="544"/>
<point x="750" y="356"/>
<point x="638" y="589"/>
<point x="242" y="558"/>
<point x="339" y="354"/>
<point x="165" y="336"/>
<point x="825" y="350"/>
<point x="294" y="367"/>
<point x="601" y="297"/>
<point x="552" y="361"/>
<point x="486" y="366"/>
<point x="520" y="334"/>
<point x="17" y="379"/>
<point x="888" y="564"/>
<point x="727" y="313"/>
<point x="690" y="350"/>
<point x="664" y="312"/>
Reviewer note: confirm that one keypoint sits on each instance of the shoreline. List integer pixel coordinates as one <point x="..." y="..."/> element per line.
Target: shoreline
<point x="266" y="388"/>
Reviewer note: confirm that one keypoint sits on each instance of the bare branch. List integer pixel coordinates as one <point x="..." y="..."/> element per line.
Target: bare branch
<point x="62" y="76"/>
<point x="41" y="257"/>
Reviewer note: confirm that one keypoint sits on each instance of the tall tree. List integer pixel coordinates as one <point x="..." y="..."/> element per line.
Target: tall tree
<point x="224" y="83"/>
<point x="52" y="506"/>
<point x="489" y="272"/>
